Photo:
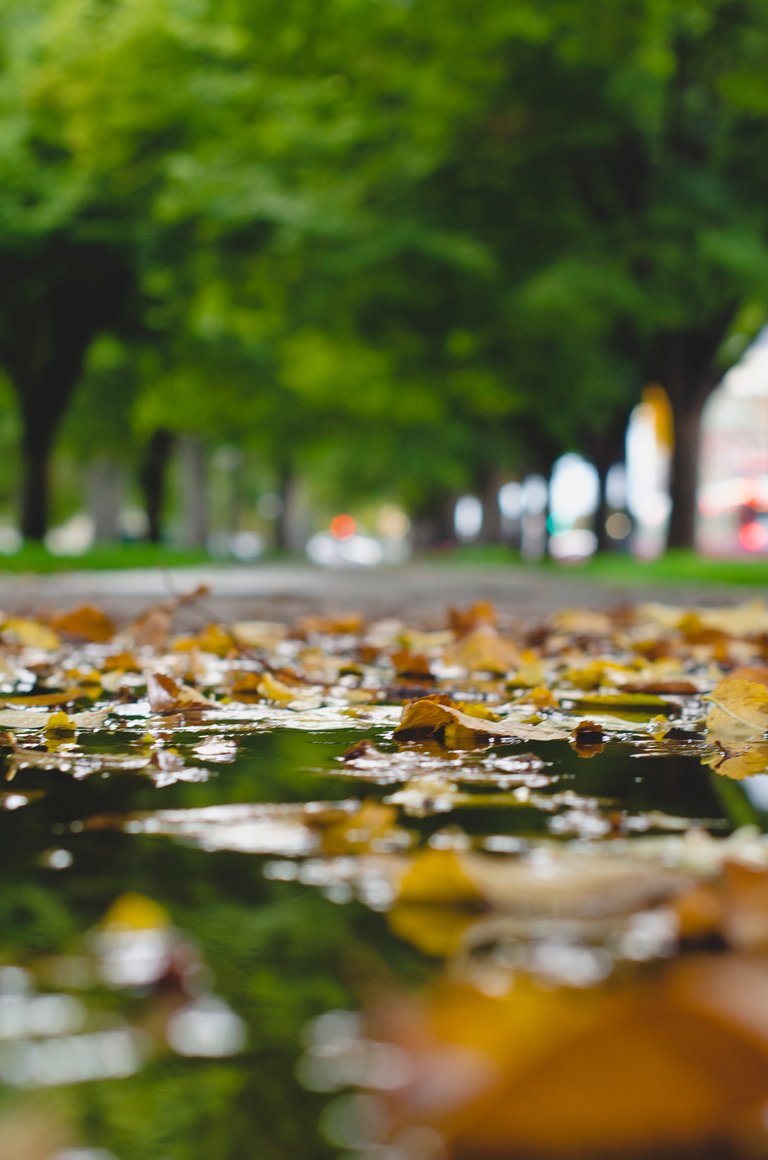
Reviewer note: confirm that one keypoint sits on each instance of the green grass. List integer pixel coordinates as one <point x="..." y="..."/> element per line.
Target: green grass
<point x="679" y="566"/>
<point x="675" y="567"/>
<point x="103" y="557"/>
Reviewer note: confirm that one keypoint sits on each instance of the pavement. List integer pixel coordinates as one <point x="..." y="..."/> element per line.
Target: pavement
<point x="419" y="593"/>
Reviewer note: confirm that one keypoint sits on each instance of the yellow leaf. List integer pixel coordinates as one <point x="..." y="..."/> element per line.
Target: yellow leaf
<point x="275" y="690"/>
<point x="59" y="723"/>
<point x="483" y="650"/>
<point x="428" y="716"/>
<point x="132" y="911"/>
<point x="740" y="763"/>
<point x="739" y="712"/>
<point x="438" y="877"/>
<point x="436" y="930"/>
<point x="31" y="633"/>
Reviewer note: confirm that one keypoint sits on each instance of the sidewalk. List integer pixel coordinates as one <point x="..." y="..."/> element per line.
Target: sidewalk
<point x="419" y="592"/>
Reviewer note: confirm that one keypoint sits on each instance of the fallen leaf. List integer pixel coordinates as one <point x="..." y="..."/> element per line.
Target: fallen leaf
<point x="85" y="623"/>
<point x="738" y="712"/>
<point x="465" y="621"/>
<point x="428" y="716"/>
<point x="169" y="696"/>
<point x="483" y="650"/>
<point x="31" y="633"/>
<point x="739" y="763"/>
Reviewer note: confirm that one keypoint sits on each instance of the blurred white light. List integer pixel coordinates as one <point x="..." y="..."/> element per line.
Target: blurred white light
<point x="246" y="545"/>
<point x="511" y="500"/>
<point x="576" y="544"/>
<point x="207" y="1028"/>
<point x="468" y="517"/>
<point x="83" y="1154"/>
<point x="72" y="538"/>
<point x="355" y="551"/>
<point x="393" y="522"/>
<point x="573" y="489"/>
<point x="10" y="540"/>
<point x="535" y="492"/>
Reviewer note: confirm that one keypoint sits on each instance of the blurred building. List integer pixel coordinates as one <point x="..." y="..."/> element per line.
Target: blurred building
<point x="733" y="496"/>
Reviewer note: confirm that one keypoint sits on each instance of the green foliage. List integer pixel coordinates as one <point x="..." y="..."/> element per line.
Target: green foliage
<point x="379" y="244"/>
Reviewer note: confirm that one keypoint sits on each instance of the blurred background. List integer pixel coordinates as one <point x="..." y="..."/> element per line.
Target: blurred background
<point x="359" y="278"/>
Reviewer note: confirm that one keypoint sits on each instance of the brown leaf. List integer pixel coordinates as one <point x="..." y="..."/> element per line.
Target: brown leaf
<point x="85" y="623"/>
<point x="169" y="696"/>
<point x="464" y="621"/>
<point x="588" y="739"/>
<point x="152" y="627"/>
<point x="411" y="666"/>
<point x="428" y="716"/>
<point x="483" y="650"/>
<point x="679" y="1061"/>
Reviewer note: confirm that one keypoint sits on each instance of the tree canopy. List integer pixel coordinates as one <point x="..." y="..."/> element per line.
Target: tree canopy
<point x="378" y="242"/>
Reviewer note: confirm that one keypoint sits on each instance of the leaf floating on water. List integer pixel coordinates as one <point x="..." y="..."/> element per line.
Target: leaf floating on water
<point x="739" y="763"/>
<point x="78" y="763"/>
<point x="739" y="711"/>
<point x="167" y="695"/>
<point x="430" y="715"/>
<point x="588" y="739"/>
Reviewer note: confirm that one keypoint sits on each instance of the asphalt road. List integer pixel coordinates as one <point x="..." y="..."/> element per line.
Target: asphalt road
<point x="419" y="593"/>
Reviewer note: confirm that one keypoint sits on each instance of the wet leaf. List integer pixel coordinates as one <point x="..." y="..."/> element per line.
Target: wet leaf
<point x="429" y="716"/>
<point x="739" y="763"/>
<point x="738" y="713"/>
<point x="167" y="695"/>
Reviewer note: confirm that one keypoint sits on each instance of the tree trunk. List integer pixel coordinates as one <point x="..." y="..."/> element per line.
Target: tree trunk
<point x="433" y="521"/>
<point x="283" y="517"/>
<point x="194" y="491"/>
<point x="105" y="496"/>
<point x="687" y="410"/>
<point x="602" y="539"/>
<point x="37" y="446"/>
<point x="605" y="450"/>
<point x="293" y="523"/>
<point x="491" y="529"/>
<point x="153" y="481"/>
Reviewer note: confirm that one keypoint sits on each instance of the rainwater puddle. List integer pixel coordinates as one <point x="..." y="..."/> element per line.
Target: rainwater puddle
<point x="331" y="900"/>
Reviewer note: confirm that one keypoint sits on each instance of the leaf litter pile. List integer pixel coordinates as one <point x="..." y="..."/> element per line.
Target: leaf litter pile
<point x="598" y="981"/>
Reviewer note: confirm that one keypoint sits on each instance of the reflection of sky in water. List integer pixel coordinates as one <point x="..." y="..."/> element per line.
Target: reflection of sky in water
<point x="756" y="789"/>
